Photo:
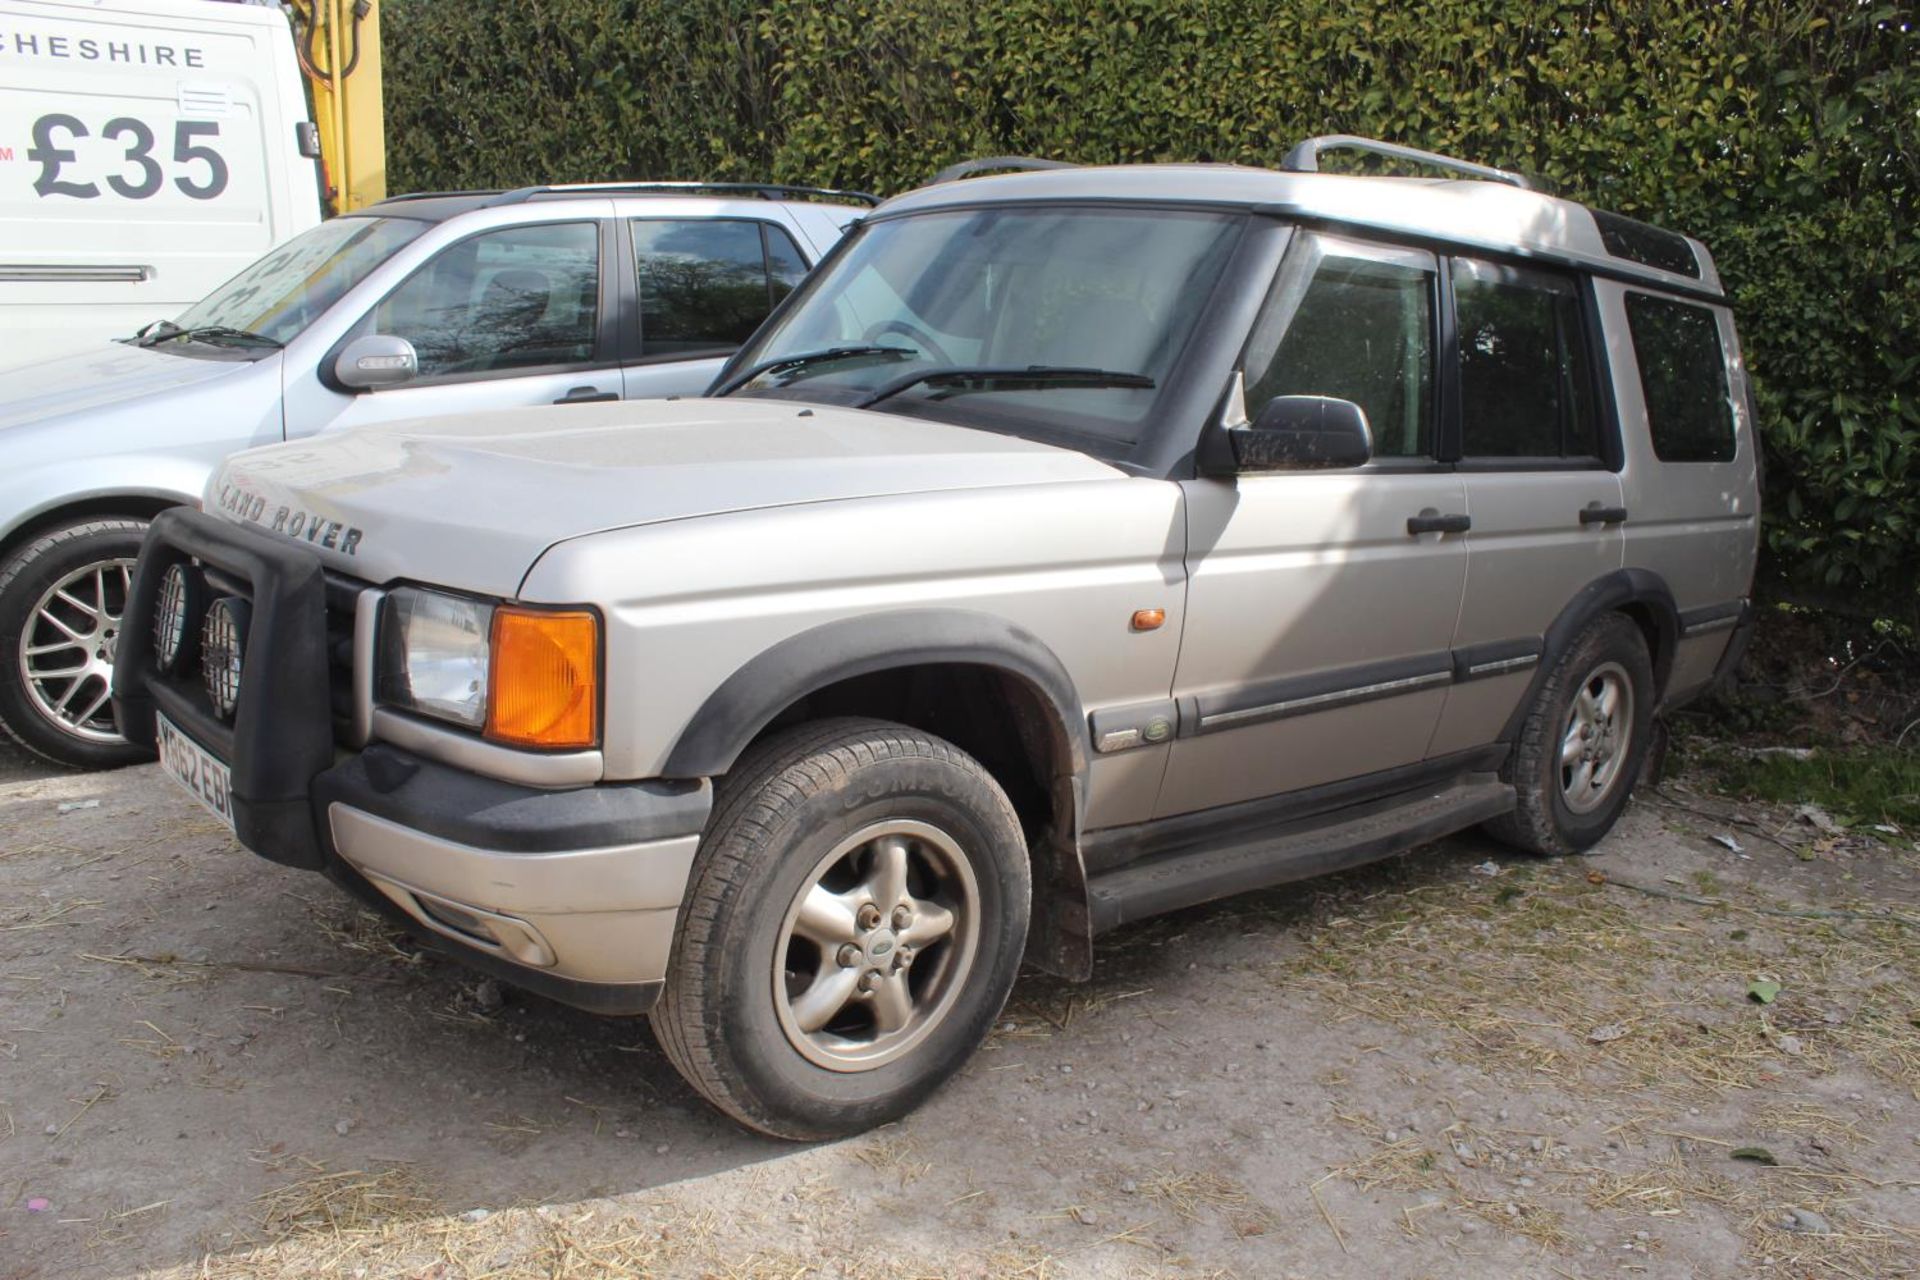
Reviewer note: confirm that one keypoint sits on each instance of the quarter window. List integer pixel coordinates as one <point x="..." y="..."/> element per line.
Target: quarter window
<point x="706" y="285"/>
<point x="1526" y="389"/>
<point x="1354" y="322"/>
<point x="1683" y="373"/>
<point x="518" y="298"/>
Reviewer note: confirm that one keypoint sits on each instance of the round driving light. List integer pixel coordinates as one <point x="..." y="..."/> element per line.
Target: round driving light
<point x="173" y="612"/>
<point x="223" y="642"/>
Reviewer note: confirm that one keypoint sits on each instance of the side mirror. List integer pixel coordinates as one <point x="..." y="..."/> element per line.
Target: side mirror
<point x="375" y="361"/>
<point x="1303" y="433"/>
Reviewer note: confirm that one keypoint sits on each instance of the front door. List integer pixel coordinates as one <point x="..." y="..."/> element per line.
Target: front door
<point x="1318" y="617"/>
<point x="500" y="320"/>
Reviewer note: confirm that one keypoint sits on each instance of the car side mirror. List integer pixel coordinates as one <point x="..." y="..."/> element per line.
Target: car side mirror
<point x="1303" y="433"/>
<point x="375" y="361"/>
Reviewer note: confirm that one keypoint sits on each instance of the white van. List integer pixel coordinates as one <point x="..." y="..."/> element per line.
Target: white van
<point x="149" y="149"/>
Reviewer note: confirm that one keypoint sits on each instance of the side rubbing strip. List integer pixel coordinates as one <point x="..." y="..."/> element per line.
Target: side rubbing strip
<point x="1279" y="699"/>
<point x="1714" y="617"/>
<point x="1499" y="658"/>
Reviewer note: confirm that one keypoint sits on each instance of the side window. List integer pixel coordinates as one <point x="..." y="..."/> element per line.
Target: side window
<point x="1526" y="386"/>
<point x="1683" y="372"/>
<point x="1355" y="322"/>
<point x="517" y="298"/>
<point x="706" y="285"/>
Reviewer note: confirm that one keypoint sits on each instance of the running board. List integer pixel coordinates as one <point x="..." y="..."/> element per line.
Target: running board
<point x="1312" y="847"/>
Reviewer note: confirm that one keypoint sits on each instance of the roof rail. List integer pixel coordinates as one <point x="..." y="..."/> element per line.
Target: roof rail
<point x="433" y="195"/>
<point x="995" y="164"/>
<point x="760" y="190"/>
<point x="1305" y="158"/>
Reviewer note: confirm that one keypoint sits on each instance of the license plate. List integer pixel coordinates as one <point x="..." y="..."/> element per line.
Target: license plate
<point x="208" y="780"/>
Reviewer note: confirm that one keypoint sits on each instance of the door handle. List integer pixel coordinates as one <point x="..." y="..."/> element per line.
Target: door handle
<point x="1594" y="513"/>
<point x="586" y="395"/>
<point x="1431" y="521"/>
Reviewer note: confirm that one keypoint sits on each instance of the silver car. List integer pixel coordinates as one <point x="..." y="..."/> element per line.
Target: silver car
<point x="437" y="304"/>
<point x="1073" y="546"/>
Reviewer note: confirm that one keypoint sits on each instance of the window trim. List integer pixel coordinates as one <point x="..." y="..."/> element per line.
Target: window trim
<point x="605" y="341"/>
<point x="1438" y="333"/>
<point x="633" y="346"/>
<point x="1726" y="374"/>
<point x="1599" y="378"/>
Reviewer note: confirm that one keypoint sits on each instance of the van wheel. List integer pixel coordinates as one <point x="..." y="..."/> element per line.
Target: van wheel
<point x="853" y="924"/>
<point x="61" y="599"/>
<point x="1583" y="742"/>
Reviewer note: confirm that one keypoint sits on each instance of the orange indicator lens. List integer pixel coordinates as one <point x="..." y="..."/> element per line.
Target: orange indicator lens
<point x="545" y="675"/>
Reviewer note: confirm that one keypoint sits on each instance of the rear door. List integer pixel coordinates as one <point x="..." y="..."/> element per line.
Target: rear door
<point x="1541" y="481"/>
<point x="1318" y="618"/>
<point x="704" y="285"/>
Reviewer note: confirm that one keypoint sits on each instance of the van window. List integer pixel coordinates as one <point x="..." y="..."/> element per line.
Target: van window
<point x="1683" y="373"/>
<point x="705" y="285"/>
<point x="1526" y="390"/>
<point x="1355" y="322"/>
<point x="518" y="298"/>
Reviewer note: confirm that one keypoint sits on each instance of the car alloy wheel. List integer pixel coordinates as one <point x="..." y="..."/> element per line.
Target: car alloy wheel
<point x="67" y="649"/>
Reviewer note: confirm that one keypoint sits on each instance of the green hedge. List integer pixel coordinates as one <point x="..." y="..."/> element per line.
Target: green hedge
<point x="1781" y="132"/>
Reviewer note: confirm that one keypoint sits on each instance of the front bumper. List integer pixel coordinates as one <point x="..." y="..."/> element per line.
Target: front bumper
<point x="571" y="893"/>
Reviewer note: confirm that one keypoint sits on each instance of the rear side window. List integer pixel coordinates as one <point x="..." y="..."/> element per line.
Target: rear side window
<point x="705" y="285"/>
<point x="1683" y="373"/>
<point x="1526" y="388"/>
<point x="1355" y="322"/>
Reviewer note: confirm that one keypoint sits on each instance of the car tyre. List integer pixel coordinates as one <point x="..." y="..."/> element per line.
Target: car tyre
<point x="834" y="848"/>
<point x="1583" y="742"/>
<point x="61" y="596"/>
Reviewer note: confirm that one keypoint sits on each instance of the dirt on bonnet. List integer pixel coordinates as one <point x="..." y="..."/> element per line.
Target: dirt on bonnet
<point x="1463" y="1063"/>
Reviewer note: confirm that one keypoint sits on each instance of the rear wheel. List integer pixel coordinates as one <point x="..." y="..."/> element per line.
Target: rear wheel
<point x="853" y="925"/>
<point x="62" y="596"/>
<point x="1583" y="742"/>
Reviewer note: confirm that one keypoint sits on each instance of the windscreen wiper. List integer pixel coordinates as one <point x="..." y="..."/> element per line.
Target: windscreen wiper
<point x="805" y="358"/>
<point x="158" y="331"/>
<point x="222" y="333"/>
<point x="1007" y="378"/>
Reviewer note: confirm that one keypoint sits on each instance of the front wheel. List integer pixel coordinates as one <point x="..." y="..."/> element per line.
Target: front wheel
<point x="1582" y="743"/>
<point x="61" y="599"/>
<point x="853" y="924"/>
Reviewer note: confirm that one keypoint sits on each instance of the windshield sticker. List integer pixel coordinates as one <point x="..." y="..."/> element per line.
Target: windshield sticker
<point x="307" y="526"/>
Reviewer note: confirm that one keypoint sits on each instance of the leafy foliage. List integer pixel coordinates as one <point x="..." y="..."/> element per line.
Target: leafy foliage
<point x="1781" y="132"/>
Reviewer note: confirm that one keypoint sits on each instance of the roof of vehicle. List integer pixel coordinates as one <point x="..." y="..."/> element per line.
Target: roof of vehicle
<point x="1469" y="212"/>
<point x="438" y="206"/>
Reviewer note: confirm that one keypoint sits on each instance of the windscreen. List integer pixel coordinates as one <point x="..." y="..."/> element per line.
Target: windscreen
<point x="1112" y="289"/>
<point x="290" y="287"/>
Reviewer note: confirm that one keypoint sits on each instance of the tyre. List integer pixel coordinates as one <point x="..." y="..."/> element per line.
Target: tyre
<point x="61" y="598"/>
<point x="853" y="924"/>
<point x="1583" y="742"/>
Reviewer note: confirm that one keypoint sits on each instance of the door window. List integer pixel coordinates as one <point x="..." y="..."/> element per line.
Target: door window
<point x="1355" y="322"/>
<point x="706" y="285"/>
<point x="1526" y="388"/>
<point x="518" y="298"/>
<point x="1683" y="371"/>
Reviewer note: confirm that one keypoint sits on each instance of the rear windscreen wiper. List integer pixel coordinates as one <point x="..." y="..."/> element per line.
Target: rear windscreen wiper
<point x="805" y="358"/>
<point x="1008" y="378"/>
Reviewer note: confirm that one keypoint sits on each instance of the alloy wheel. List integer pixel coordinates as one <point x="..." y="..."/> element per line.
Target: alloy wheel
<point x="67" y="649"/>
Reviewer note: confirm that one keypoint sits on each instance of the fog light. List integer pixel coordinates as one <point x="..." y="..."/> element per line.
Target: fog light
<point x="180" y="593"/>
<point x="223" y="642"/>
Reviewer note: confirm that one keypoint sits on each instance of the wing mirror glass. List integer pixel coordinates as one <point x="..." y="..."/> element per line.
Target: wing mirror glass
<point x="1303" y="433"/>
<point x="375" y="361"/>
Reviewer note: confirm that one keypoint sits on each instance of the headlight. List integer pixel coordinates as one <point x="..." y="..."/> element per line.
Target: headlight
<point x="434" y="654"/>
<point x="223" y="644"/>
<point x="527" y="677"/>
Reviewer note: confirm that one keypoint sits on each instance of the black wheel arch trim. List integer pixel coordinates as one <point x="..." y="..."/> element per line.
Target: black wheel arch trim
<point x="1606" y="594"/>
<point x="749" y="699"/>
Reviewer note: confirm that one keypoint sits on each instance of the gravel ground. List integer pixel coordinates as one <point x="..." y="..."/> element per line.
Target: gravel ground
<point x="1462" y="1063"/>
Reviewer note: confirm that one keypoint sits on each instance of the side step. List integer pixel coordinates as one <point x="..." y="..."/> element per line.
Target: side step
<point x="1312" y="847"/>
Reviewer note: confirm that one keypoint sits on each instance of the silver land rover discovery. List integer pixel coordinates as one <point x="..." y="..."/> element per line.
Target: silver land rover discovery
<point x="1073" y="546"/>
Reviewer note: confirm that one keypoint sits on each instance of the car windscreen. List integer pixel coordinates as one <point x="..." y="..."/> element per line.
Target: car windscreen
<point x="291" y="286"/>
<point x="1047" y="288"/>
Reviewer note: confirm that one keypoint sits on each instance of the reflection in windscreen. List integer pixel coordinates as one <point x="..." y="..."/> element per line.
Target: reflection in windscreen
<point x="291" y="286"/>
<point x="1118" y="290"/>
